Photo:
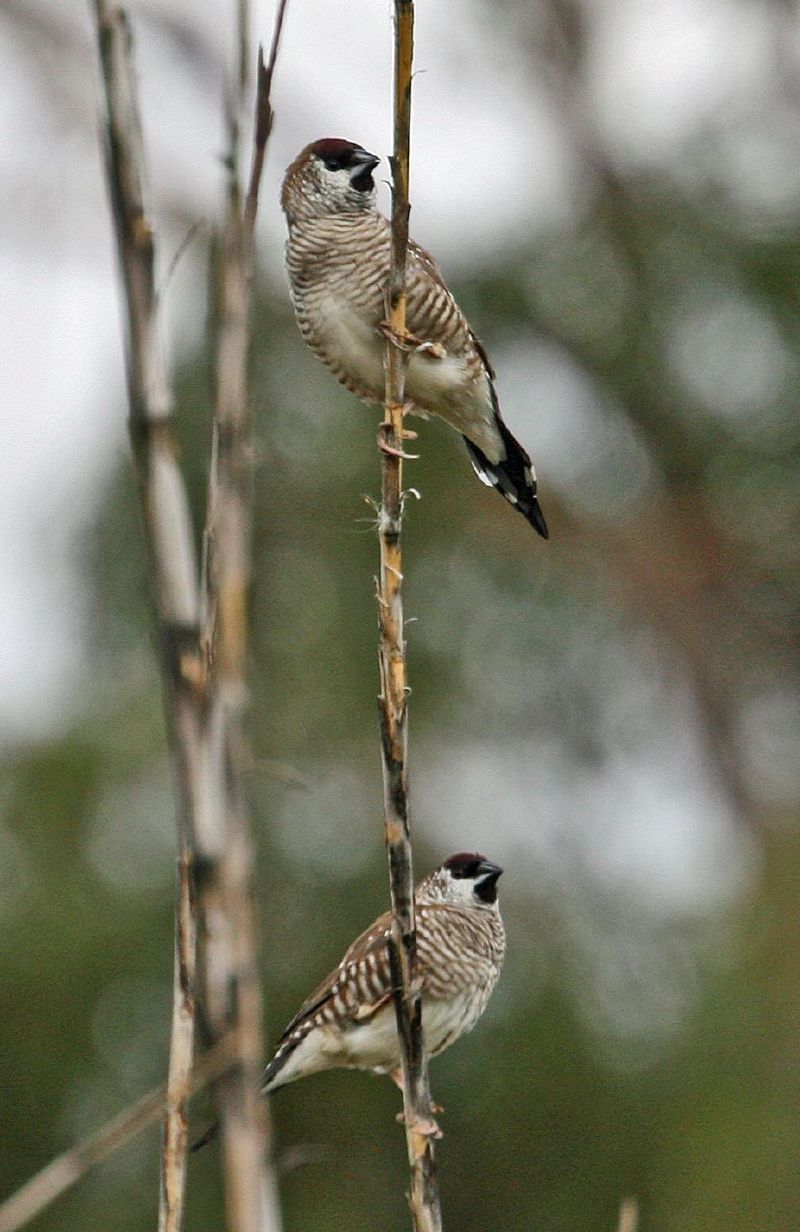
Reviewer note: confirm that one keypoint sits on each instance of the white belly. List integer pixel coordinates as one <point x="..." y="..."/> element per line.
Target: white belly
<point x="353" y="343"/>
<point x="374" y="1046"/>
<point x="444" y="387"/>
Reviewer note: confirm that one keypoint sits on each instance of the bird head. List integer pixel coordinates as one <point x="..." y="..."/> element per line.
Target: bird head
<point x="331" y="176"/>
<point x="467" y="879"/>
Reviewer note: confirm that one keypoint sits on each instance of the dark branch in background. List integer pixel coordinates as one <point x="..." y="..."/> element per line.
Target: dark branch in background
<point x="227" y="890"/>
<point x="419" y="1123"/>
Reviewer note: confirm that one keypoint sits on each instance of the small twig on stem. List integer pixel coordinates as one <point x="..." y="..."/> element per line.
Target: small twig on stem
<point x="66" y="1170"/>
<point x="264" y="118"/>
<point x="418" y="1115"/>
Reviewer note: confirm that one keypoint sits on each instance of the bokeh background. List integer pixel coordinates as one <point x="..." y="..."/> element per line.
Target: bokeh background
<point x="613" y="188"/>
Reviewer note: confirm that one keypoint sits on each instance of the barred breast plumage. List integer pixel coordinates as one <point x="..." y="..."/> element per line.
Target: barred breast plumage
<point x="339" y="270"/>
<point x="338" y="259"/>
<point x="348" y="1022"/>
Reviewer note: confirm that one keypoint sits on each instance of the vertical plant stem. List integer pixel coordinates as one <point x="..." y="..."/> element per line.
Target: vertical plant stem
<point x="203" y="646"/>
<point x="181" y="1052"/>
<point x="172" y="563"/>
<point x="419" y="1124"/>
<point x="230" y="937"/>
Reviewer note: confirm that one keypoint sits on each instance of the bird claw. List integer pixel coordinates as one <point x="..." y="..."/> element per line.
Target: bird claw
<point x="384" y="446"/>
<point x="411" y="343"/>
<point x="427" y="1126"/>
<point x="434" y="349"/>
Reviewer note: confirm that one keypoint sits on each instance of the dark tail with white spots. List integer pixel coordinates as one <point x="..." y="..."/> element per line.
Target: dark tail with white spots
<point x="513" y="477"/>
<point x="285" y="1050"/>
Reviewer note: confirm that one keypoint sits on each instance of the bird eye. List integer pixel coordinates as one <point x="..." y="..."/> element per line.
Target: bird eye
<point x="466" y="869"/>
<point x="339" y="161"/>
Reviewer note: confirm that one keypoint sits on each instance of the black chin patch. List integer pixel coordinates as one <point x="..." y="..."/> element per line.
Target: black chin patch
<point x="363" y="182"/>
<point x="486" y="888"/>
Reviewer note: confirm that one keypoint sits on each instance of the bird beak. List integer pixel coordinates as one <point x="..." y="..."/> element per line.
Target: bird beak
<point x="485" y="888"/>
<point x="363" y="164"/>
<point x="364" y="161"/>
<point x="488" y="872"/>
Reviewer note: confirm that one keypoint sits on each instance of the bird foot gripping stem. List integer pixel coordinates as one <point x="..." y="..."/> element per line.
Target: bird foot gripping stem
<point x="410" y="343"/>
<point x="426" y="1127"/>
<point x="384" y="432"/>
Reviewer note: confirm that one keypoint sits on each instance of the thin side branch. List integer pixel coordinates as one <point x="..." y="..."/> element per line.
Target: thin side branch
<point x="419" y="1122"/>
<point x="264" y="119"/>
<point x="66" y="1170"/>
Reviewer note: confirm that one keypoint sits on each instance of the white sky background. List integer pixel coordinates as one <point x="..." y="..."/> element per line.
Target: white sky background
<point x="490" y="157"/>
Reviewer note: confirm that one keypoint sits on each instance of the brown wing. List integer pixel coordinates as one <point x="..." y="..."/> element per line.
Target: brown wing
<point x="433" y="314"/>
<point x="420" y="259"/>
<point x="357" y="988"/>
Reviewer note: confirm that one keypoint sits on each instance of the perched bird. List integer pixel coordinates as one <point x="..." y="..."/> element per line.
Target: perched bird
<point x="349" y="1021"/>
<point x="338" y="257"/>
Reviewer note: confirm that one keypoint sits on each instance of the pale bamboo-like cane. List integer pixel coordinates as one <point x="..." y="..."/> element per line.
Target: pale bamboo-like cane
<point x="418" y="1116"/>
<point x="203" y="647"/>
<point x="230" y="931"/>
<point x="172" y="563"/>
